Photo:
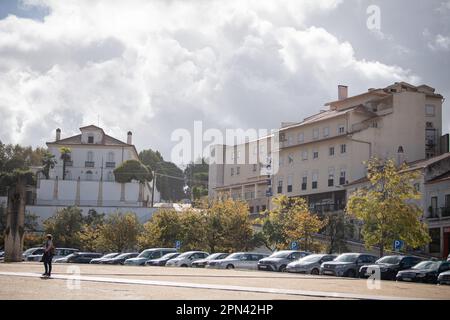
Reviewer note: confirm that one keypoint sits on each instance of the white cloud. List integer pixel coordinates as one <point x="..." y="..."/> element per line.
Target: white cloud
<point x="154" y="66"/>
<point x="440" y="42"/>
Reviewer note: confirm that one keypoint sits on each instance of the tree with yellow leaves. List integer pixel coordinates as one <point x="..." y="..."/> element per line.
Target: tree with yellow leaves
<point x="387" y="208"/>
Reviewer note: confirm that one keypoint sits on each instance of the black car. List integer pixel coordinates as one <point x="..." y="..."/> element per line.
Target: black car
<point x="162" y="261"/>
<point x="425" y="271"/>
<point x="79" y="257"/>
<point x="120" y="259"/>
<point x="390" y="265"/>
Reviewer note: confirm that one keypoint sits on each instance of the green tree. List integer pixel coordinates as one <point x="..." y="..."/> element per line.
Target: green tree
<point x="192" y="231"/>
<point x="65" y="226"/>
<point x="196" y="176"/>
<point x="90" y="231"/>
<point x="119" y="232"/>
<point x="65" y="157"/>
<point x="132" y="170"/>
<point x="338" y="228"/>
<point x="48" y="162"/>
<point x="386" y="207"/>
<point x="162" y="230"/>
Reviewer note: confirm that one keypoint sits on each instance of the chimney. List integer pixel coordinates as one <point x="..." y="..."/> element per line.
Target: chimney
<point x="342" y="92"/>
<point x="58" y="134"/>
<point x="129" y="136"/>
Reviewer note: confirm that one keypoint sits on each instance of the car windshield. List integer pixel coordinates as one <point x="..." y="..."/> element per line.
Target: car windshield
<point x="427" y="265"/>
<point x="280" y="254"/>
<point x="170" y="255"/>
<point x="347" y="258"/>
<point x="234" y="256"/>
<point x="214" y="256"/>
<point x="110" y="255"/>
<point x="311" y="258"/>
<point x="146" y="254"/>
<point x="390" y="259"/>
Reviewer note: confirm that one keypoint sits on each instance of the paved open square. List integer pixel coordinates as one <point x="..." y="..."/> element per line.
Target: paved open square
<point x="23" y="281"/>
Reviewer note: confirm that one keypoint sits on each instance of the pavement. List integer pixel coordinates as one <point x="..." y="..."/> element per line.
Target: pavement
<point x="93" y="282"/>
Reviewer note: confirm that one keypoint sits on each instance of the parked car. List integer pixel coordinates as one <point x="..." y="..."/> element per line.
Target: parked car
<point x="162" y="261"/>
<point x="185" y="259"/>
<point x="79" y="257"/>
<point x="104" y="258"/>
<point x="390" y="265"/>
<point x="280" y="259"/>
<point x="309" y="264"/>
<point x="2" y="255"/>
<point x="203" y="262"/>
<point x="444" y="277"/>
<point x="240" y="260"/>
<point x="59" y="253"/>
<point x="121" y="258"/>
<point x="148" y="254"/>
<point x="448" y="257"/>
<point x="32" y="251"/>
<point x="347" y="264"/>
<point x="425" y="271"/>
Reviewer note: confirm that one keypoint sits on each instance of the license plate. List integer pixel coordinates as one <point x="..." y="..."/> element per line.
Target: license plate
<point x="328" y="272"/>
<point x="407" y="279"/>
<point x="263" y="267"/>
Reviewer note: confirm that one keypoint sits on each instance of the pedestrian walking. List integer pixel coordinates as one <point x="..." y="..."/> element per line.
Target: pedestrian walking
<point x="47" y="257"/>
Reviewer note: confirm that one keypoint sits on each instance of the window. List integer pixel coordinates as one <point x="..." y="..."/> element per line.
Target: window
<point x="331" y="151"/>
<point x="330" y="177"/>
<point x="305" y="155"/>
<point x="280" y="186"/>
<point x="430" y="110"/>
<point x="301" y="137"/>
<point x="316" y="133"/>
<point x="341" y="129"/>
<point x="305" y="181"/>
<point x="290" y="158"/>
<point x="447" y="200"/>
<point x="289" y="184"/>
<point x="435" y="244"/>
<point x="315" y="177"/>
<point x="315" y="154"/>
<point x="90" y="139"/>
<point x="89" y="175"/>
<point x="326" y="131"/>
<point x="343" y="148"/>
<point x="263" y="208"/>
<point x="232" y="172"/>
<point x="251" y="209"/>
<point x="342" y="177"/>
<point x="232" y="155"/>
<point x="238" y="170"/>
<point x="90" y="156"/>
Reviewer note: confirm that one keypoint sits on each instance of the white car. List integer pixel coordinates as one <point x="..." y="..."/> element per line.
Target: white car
<point x="185" y="259"/>
<point x="238" y="260"/>
<point x="32" y="251"/>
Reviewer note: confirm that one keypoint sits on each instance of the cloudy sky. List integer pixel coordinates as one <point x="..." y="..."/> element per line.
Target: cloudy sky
<point x="152" y="66"/>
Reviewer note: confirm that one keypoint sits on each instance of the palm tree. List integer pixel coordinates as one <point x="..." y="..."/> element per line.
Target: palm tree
<point x="48" y="162"/>
<point x="65" y="156"/>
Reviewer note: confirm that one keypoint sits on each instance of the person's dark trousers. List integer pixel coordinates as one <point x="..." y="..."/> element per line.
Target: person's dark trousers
<point x="48" y="264"/>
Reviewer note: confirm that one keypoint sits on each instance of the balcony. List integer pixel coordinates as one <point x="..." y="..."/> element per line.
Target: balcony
<point x="445" y="212"/>
<point x="110" y="164"/>
<point x="89" y="164"/>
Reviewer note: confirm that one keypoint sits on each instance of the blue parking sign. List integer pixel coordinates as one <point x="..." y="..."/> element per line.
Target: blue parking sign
<point x="294" y="245"/>
<point x="398" y="245"/>
<point x="177" y="244"/>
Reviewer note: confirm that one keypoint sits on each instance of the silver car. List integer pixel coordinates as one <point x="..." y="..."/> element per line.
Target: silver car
<point x="238" y="260"/>
<point x="185" y="259"/>
<point x="309" y="264"/>
<point x="280" y="259"/>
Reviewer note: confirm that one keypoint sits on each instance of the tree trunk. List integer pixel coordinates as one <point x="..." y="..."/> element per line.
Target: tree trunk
<point x="15" y="221"/>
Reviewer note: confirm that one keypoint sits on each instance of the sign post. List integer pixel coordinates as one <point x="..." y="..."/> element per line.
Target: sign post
<point x="178" y="244"/>
<point x="398" y="245"/>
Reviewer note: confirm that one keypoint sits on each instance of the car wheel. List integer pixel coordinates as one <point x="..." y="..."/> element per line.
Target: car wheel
<point x="315" y="272"/>
<point x="282" y="268"/>
<point x="230" y="266"/>
<point x="351" y="273"/>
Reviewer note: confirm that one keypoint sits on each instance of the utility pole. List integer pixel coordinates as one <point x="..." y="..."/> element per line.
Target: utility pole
<point x="153" y="187"/>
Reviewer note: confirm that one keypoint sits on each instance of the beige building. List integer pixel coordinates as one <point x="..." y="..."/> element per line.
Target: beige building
<point x="317" y="157"/>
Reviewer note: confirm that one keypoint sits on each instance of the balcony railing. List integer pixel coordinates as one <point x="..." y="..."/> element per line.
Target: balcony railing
<point x="89" y="164"/>
<point x="110" y="164"/>
<point x="445" y="212"/>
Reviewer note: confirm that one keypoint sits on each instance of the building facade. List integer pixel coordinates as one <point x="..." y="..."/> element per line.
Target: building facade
<point x="318" y="157"/>
<point x="89" y="180"/>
